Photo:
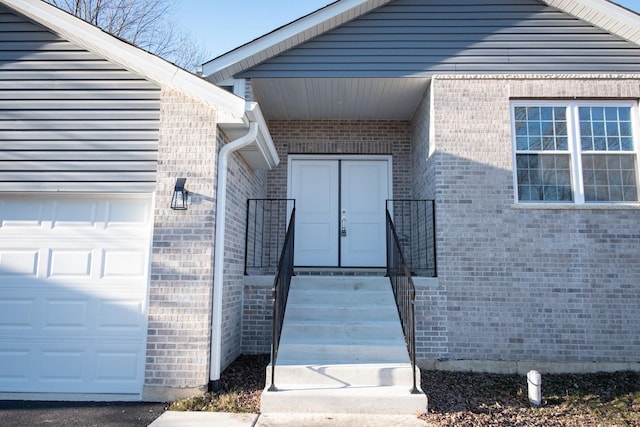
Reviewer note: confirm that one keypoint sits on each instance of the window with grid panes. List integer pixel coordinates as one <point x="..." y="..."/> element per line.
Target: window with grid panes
<point x="575" y="152"/>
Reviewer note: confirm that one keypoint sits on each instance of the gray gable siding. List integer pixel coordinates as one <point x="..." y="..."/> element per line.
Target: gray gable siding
<point x="70" y="120"/>
<point x="417" y="38"/>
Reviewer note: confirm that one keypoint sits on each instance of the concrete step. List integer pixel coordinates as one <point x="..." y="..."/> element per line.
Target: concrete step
<point x="348" y="352"/>
<point x="341" y="298"/>
<point x="340" y="330"/>
<point x="300" y="312"/>
<point x="342" y="350"/>
<point x="360" y="375"/>
<point x="390" y="400"/>
<point x="336" y="283"/>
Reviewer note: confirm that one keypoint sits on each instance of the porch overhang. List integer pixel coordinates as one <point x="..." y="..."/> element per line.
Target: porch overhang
<point x="339" y="98"/>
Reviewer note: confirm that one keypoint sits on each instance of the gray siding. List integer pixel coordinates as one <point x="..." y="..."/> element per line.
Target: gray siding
<point x="70" y="120"/>
<point x="411" y="38"/>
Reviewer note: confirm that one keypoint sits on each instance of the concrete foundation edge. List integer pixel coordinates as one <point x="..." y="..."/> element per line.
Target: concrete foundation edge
<point x="522" y="367"/>
<point x="170" y="394"/>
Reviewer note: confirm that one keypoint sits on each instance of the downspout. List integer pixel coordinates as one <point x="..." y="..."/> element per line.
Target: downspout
<point x="218" y="267"/>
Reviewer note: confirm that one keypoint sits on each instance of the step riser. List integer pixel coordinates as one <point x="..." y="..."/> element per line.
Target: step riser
<point x="300" y="354"/>
<point x="345" y="375"/>
<point x="318" y="312"/>
<point x="378" y="331"/>
<point x="341" y="284"/>
<point x="285" y="401"/>
<point x="341" y="299"/>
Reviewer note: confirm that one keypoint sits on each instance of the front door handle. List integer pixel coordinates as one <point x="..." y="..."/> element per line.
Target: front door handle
<point x="343" y="227"/>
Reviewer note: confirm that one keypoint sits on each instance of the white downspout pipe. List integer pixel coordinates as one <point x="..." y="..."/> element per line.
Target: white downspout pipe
<point x="218" y="267"/>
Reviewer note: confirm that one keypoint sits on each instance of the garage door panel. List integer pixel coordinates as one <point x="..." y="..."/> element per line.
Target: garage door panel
<point x="16" y="314"/>
<point x="22" y="213"/>
<point x="119" y="314"/>
<point x="64" y="365"/>
<point x="13" y="369"/>
<point x="119" y="263"/>
<point x="70" y="263"/>
<point x="75" y="213"/>
<point x="74" y="272"/>
<point x="76" y="367"/>
<point x="126" y="214"/>
<point x="19" y="262"/>
<point x="66" y="314"/>
<point x="117" y="366"/>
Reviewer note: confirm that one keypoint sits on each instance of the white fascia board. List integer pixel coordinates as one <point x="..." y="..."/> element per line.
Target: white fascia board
<point x="280" y="35"/>
<point x="265" y="143"/>
<point x="622" y="22"/>
<point x="230" y="107"/>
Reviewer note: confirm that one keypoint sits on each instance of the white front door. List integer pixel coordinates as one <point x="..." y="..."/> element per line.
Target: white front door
<point x="340" y="212"/>
<point x="364" y="191"/>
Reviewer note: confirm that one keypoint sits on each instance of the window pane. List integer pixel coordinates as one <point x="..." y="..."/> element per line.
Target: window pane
<point x="544" y="128"/>
<point x="562" y="143"/>
<point x="624" y="114"/>
<point x="626" y="144"/>
<point x="611" y="114"/>
<point x="613" y="144"/>
<point x="609" y="177"/>
<point x="547" y="177"/>
<point x="598" y="128"/>
<point x="599" y="144"/>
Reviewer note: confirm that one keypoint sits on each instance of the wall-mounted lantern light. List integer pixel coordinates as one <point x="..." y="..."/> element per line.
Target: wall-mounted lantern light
<point x="180" y="195"/>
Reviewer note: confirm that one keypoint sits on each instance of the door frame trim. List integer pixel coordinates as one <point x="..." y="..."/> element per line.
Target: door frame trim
<point x="388" y="158"/>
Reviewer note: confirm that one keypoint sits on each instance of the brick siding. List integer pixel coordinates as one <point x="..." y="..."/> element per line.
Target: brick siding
<point x="342" y="137"/>
<point x="557" y="285"/>
<point x="182" y="257"/>
<point x="243" y="183"/>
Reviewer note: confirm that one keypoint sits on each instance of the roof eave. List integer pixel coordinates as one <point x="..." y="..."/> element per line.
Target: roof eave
<point x="283" y="38"/>
<point x="230" y="107"/>
<point x="604" y="14"/>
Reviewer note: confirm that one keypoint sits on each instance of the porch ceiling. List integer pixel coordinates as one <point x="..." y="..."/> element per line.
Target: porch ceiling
<point x="339" y="98"/>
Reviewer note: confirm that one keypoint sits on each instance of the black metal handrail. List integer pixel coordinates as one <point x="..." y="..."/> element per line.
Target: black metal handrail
<point x="414" y="221"/>
<point x="404" y="292"/>
<point x="280" y="293"/>
<point x="266" y="229"/>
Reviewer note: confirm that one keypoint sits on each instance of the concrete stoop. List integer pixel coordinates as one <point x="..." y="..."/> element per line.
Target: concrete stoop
<point x="342" y="351"/>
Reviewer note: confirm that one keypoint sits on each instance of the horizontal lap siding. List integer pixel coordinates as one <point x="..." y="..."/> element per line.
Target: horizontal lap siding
<point x="411" y="38"/>
<point x="70" y="120"/>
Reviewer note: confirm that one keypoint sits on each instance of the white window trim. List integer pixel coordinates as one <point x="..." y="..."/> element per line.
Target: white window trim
<point x="573" y="125"/>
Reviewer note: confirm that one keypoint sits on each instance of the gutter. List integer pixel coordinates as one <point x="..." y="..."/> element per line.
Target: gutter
<point x="218" y="273"/>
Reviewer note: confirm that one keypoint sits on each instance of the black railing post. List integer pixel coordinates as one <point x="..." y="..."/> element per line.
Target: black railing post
<point x="280" y="293"/>
<point x="433" y="225"/>
<point x="404" y="293"/>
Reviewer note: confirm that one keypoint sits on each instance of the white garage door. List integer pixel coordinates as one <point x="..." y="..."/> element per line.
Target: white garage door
<point x="73" y="291"/>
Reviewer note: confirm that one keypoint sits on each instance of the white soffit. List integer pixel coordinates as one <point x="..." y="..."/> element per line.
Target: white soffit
<point x="340" y="99"/>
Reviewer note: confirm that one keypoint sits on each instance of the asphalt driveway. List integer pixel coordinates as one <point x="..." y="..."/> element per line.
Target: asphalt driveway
<point x="76" y="414"/>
